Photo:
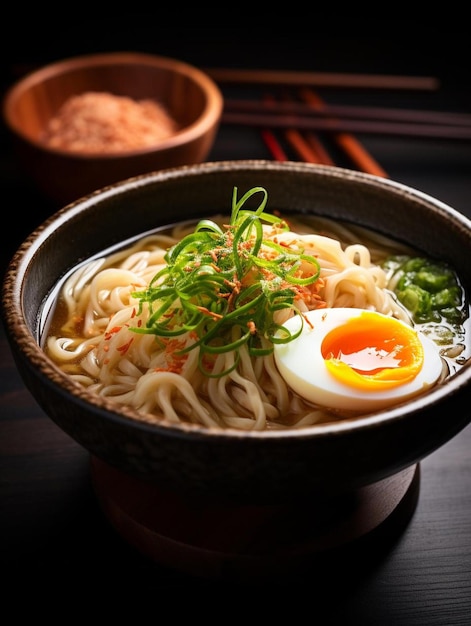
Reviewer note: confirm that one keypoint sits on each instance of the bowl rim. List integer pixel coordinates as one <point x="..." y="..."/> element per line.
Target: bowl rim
<point x="209" y="117"/>
<point x="16" y="325"/>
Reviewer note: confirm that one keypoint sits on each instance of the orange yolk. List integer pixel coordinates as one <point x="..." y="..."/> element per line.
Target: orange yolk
<point x="371" y="353"/>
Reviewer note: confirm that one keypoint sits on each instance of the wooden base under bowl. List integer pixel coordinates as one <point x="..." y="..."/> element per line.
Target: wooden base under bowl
<point x="220" y="540"/>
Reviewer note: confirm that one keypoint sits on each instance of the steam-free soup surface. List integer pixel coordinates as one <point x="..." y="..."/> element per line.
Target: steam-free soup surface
<point x="184" y="324"/>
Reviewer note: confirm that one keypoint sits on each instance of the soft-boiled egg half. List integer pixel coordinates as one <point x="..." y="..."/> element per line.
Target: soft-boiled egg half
<point x="356" y="359"/>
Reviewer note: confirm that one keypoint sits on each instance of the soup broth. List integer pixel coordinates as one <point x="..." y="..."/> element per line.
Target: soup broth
<point x="191" y="346"/>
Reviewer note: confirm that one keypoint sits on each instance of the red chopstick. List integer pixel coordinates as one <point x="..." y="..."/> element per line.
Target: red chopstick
<point x="305" y="146"/>
<point x="270" y="139"/>
<point x="273" y="145"/>
<point x="310" y="148"/>
<point x="350" y="144"/>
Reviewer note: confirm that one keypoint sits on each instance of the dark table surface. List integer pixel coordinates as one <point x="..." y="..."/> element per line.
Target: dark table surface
<point x="54" y="538"/>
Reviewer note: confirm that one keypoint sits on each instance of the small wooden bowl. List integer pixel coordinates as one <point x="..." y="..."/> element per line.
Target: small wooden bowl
<point x="189" y="96"/>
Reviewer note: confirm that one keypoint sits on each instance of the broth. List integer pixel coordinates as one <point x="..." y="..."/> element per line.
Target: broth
<point x="95" y="323"/>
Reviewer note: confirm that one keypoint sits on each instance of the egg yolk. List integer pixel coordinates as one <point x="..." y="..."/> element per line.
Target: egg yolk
<point x="373" y="353"/>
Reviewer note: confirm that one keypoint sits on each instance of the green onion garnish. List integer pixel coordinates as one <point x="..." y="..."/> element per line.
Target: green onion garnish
<point x="225" y="285"/>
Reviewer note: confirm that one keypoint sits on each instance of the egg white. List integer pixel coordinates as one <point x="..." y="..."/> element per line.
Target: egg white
<point x="301" y="364"/>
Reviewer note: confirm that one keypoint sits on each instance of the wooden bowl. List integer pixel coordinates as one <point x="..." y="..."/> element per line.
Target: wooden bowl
<point x="249" y="466"/>
<point x="189" y="96"/>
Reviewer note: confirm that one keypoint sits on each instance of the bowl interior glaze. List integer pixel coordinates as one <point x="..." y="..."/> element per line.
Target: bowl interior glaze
<point x="251" y="466"/>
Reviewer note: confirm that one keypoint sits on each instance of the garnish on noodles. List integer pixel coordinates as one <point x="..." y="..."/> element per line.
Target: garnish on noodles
<point x="252" y="321"/>
<point x="224" y="284"/>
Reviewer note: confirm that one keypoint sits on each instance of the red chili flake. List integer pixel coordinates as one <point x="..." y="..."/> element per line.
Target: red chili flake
<point x="112" y="331"/>
<point x="174" y="362"/>
<point x="251" y="326"/>
<point x="230" y="283"/>
<point x="125" y="347"/>
<point x="308" y="321"/>
<point x="203" y="309"/>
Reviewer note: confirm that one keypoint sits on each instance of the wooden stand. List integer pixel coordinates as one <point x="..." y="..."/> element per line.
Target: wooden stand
<point x="223" y="540"/>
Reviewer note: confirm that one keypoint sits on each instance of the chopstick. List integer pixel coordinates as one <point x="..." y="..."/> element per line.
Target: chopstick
<point x="273" y="145"/>
<point x="300" y="121"/>
<point x="311" y="150"/>
<point x="336" y="125"/>
<point x="413" y="116"/>
<point x="270" y="139"/>
<point x="322" y="79"/>
<point x="307" y="147"/>
<point x="350" y="144"/>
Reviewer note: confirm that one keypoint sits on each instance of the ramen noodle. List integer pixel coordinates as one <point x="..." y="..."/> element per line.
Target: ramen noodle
<point x="100" y="333"/>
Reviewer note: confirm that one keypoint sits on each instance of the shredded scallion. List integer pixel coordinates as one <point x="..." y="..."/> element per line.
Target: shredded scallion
<point x="225" y="285"/>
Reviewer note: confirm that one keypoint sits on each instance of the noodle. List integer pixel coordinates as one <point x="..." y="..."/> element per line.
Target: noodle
<point x="91" y="334"/>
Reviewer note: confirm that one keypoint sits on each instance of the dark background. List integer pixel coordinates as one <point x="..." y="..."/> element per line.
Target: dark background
<point x="234" y="37"/>
<point x="55" y="545"/>
<point x="381" y="44"/>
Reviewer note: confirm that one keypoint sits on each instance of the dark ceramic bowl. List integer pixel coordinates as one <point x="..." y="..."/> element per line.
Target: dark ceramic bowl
<point x="251" y="466"/>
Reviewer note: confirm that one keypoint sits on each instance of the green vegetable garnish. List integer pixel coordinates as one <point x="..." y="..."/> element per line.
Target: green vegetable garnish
<point x="226" y="284"/>
<point x="429" y="290"/>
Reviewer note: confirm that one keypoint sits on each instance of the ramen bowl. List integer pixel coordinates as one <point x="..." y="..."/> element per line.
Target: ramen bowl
<point x="85" y="122"/>
<point x="251" y="466"/>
